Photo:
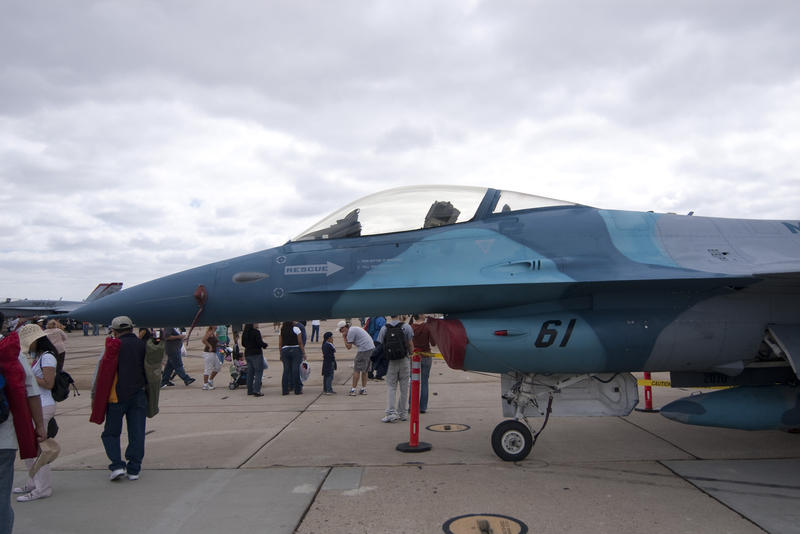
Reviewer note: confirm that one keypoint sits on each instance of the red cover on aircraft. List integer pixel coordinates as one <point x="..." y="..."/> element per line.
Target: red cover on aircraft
<point x="17" y="396"/>
<point x="451" y="338"/>
<point x="106" y="372"/>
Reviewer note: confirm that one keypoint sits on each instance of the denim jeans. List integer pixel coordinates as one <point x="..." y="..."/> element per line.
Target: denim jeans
<point x="398" y="374"/>
<point x="327" y="383"/>
<point x="291" y="358"/>
<point x="425" y="373"/>
<point x="134" y="410"/>
<point x="6" y="483"/>
<point x="174" y="363"/>
<point x="314" y="333"/>
<point x="255" y="372"/>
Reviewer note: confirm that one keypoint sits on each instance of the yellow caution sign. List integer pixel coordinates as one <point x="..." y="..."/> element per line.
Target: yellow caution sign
<point x="655" y="383"/>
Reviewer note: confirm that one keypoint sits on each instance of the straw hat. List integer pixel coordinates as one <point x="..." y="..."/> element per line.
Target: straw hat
<point x="28" y="334"/>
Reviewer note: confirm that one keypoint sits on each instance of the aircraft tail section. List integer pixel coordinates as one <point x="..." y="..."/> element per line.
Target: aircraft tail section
<point x="103" y="290"/>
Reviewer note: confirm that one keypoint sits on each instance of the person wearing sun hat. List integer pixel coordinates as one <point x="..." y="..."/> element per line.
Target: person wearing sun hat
<point x="43" y="355"/>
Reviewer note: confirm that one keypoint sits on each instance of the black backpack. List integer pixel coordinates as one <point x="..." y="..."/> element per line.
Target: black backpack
<point x="61" y="386"/>
<point x="4" y="409"/>
<point x="394" y="342"/>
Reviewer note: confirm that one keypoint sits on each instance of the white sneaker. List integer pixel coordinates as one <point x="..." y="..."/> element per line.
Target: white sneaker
<point x="390" y="418"/>
<point x="133" y="477"/>
<point x="116" y="474"/>
<point x="363" y="391"/>
<point x="404" y="417"/>
<point x="24" y="489"/>
<point x="210" y="384"/>
<point x="353" y="392"/>
<point x="205" y="387"/>
<point x="32" y="496"/>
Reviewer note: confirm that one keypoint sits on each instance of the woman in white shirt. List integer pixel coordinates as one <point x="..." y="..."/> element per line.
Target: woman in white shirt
<point x="43" y="354"/>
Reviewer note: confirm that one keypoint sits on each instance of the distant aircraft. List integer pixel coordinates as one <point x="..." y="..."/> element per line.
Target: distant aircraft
<point x="31" y="308"/>
<point x="563" y="300"/>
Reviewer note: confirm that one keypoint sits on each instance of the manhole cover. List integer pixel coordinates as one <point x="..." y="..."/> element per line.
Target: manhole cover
<point x="485" y="523"/>
<point x="448" y="427"/>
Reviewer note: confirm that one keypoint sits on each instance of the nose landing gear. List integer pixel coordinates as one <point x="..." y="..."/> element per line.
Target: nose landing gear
<point x="512" y="441"/>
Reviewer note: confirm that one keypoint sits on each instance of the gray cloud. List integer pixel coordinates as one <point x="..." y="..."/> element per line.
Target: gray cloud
<point x="184" y="132"/>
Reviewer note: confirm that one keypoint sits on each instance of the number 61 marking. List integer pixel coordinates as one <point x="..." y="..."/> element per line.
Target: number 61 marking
<point x="548" y="334"/>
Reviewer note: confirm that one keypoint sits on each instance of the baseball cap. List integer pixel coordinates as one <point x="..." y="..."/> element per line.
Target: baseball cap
<point x="123" y="322"/>
<point x="341" y="325"/>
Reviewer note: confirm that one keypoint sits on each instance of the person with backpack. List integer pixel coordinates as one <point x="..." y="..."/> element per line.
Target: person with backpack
<point x="41" y="351"/>
<point x="396" y="337"/>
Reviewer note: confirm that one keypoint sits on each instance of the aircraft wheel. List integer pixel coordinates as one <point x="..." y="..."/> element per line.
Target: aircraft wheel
<point x="512" y="441"/>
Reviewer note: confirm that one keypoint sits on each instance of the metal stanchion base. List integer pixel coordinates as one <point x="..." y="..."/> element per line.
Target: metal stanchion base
<point x="645" y="410"/>
<point x="421" y="447"/>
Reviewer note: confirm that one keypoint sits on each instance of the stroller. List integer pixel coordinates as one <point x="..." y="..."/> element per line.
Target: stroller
<point x="238" y="374"/>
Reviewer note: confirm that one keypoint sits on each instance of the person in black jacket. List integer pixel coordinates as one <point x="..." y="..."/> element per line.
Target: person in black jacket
<point x="128" y="400"/>
<point x="254" y="355"/>
<point x="328" y="363"/>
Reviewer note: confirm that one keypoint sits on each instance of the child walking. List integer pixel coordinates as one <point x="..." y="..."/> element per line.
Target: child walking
<point x="328" y="363"/>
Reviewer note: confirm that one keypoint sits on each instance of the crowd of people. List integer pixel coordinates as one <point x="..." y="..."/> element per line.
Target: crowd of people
<point x="136" y="365"/>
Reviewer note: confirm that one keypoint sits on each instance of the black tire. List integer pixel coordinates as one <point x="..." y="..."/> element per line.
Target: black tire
<point x="512" y="441"/>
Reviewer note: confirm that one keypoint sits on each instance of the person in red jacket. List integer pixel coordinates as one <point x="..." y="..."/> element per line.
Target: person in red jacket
<point x="423" y="339"/>
<point x="120" y="392"/>
<point x="24" y="426"/>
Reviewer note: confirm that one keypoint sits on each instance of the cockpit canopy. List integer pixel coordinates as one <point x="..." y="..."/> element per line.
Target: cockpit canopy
<point x="417" y="207"/>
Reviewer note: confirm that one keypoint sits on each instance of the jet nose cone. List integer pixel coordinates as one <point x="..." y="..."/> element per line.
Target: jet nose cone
<point x="149" y="304"/>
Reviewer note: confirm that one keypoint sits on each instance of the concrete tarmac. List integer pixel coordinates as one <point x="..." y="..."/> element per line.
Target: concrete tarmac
<point x="219" y="461"/>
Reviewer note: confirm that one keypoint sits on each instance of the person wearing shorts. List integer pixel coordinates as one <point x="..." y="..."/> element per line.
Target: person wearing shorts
<point x="354" y="335"/>
<point x="212" y="365"/>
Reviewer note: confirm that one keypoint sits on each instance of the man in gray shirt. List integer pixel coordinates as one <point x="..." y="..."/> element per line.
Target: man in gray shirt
<point x="173" y="342"/>
<point x="354" y="335"/>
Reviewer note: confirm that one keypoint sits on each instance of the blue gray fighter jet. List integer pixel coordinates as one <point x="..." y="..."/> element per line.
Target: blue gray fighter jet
<point x="563" y="300"/>
<point x="36" y="308"/>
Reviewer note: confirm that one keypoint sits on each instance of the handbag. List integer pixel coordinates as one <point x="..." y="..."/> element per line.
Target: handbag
<point x="52" y="428"/>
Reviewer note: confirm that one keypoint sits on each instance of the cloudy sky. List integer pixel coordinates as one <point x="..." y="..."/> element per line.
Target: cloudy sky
<point x="140" y="138"/>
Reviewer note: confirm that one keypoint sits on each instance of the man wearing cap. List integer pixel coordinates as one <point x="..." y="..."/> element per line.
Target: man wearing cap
<point x="354" y="335"/>
<point x="126" y="398"/>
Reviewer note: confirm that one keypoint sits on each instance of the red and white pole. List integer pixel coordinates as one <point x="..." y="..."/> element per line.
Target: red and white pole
<point x="416" y="373"/>
<point x="648" y="395"/>
<point x="414" y="444"/>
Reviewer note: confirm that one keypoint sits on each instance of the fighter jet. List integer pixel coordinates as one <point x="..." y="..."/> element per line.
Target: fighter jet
<point x="30" y="308"/>
<point x="563" y="300"/>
